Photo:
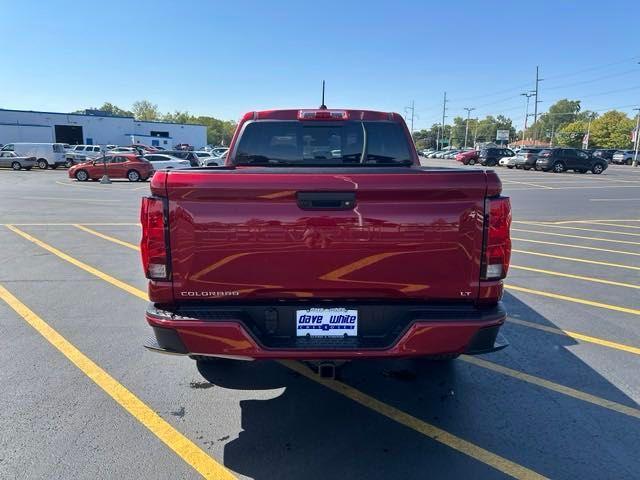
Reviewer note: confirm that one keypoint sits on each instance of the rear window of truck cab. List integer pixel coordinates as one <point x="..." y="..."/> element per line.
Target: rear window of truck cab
<point x="298" y="143"/>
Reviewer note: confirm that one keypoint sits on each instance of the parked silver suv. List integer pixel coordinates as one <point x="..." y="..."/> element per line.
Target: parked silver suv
<point x="81" y="153"/>
<point x="624" y="157"/>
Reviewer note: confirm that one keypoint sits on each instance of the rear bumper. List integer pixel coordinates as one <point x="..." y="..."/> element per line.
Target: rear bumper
<point x="231" y="333"/>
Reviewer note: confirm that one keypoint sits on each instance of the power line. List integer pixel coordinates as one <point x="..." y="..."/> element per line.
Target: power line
<point x="584" y="82"/>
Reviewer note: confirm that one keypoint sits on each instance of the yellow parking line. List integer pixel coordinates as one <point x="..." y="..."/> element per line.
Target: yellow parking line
<point x="528" y="184"/>
<point x="577" y="336"/>
<point x="576" y="277"/>
<point x="593" y="220"/>
<point x="566" y="298"/>
<point x="556" y="387"/>
<point x="402" y="417"/>
<point x="536" y="224"/>
<point x="87" y="268"/>
<point x="172" y="438"/>
<point x="581" y="247"/>
<point x="442" y="436"/>
<point x="572" y="259"/>
<point x="615" y="225"/>
<point x="107" y="237"/>
<point x="598" y="239"/>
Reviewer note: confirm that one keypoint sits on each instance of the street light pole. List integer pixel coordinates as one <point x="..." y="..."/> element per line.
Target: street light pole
<point x="105" y="178"/>
<point x="466" y="130"/>
<point x="526" y="113"/>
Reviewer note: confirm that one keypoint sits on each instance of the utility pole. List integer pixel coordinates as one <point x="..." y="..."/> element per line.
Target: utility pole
<point x="526" y="113"/>
<point x="475" y="134"/>
<point x="412" y="108"/>
<point x="444" y="109"/>
<point x="637" y="144"/>
<point x="535" y="111"/>
<point x="437" y="137"/>
<point x="466" y="130"/>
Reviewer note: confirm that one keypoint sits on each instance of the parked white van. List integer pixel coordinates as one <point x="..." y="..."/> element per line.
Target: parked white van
<point x="47" y="154"/>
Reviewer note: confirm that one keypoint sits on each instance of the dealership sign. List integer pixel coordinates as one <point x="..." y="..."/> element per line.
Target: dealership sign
<point x="502" y="135"/>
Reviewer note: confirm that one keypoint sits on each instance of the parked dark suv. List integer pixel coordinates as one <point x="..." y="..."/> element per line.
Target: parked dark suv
<point x="559" y="160"/>
<point x="605" y="154"/>
<point x="526" y="158"/>
<point x="489" y="157"/>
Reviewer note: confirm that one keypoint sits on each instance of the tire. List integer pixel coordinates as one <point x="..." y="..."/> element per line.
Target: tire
<point x="472" y="161"/>
<point x="597" y="169"/>
<point x="558" y="167"/>
<point x="43" y="164"/>
<point x="82" y="175"/>
<point x="133" y="176"/>
<point x="68" y="163"/>
<point x="16" y="166"/>
<point x="526" y="167"/>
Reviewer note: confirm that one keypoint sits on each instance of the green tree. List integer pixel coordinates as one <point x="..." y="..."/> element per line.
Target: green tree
<point x="112" y="109"/>
<point x="219" y="132"/>
<point x="145" y="110"/>
<point x="612" y="130"/>
<point x="426" y="138"/>
<point x="560" y="114"/>
<point x="572" y="134"/>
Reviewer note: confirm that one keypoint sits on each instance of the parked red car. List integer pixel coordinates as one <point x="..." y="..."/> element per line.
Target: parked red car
<point x="130" y="166"/>
<point x="468" y="158"/>
<point x="323" y="239"/>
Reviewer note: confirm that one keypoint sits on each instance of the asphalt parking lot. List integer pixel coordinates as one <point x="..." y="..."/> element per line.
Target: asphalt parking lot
<point x="81" y="398"/>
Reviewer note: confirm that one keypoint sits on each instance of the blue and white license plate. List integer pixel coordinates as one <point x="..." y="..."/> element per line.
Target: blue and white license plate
<point x="327" y="322"/>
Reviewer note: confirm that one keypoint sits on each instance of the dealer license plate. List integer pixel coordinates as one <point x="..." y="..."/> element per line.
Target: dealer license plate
<point x="327" y="322"/>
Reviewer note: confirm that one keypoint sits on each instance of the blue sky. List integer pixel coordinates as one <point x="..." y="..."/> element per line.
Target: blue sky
<point x="225" y="58"/>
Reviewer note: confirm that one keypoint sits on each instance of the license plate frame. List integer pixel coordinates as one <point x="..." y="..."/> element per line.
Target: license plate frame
<point x="327" y="323"/>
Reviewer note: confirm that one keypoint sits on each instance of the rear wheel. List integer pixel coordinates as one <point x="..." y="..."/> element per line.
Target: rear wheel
<point x="82" y="175"/>
<point x="68" y="163"/>
<point x="597" y="169"/>
<point x="558" y="167"/>
<point x="42" y="164"/>
<point x="526" y="167"/>
<point x="472" y="161"/>
<point x="16" y="165"/>
<point x="133" y="176"/>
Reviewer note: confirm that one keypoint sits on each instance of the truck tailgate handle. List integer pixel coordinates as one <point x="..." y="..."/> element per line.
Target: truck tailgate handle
<point x="326" y="200"/>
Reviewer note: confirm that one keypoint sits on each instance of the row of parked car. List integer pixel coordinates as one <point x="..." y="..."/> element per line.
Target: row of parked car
<point x="25" y="155"/>
<point x="545" y="159"/>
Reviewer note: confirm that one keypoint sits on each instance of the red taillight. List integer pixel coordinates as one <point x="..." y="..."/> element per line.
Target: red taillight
<point x="323" y="115"/>
<point x="153" y="245"/>
<point x="497" y="251"/>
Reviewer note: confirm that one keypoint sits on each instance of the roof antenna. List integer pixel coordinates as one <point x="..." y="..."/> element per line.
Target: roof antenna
<point x="323" y="106"/>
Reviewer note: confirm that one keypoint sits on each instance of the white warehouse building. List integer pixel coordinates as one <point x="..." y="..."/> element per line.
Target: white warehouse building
<point x="95" y="127"/>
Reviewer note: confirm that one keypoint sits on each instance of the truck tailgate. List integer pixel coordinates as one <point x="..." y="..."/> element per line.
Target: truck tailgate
<point x="266" y="233"/>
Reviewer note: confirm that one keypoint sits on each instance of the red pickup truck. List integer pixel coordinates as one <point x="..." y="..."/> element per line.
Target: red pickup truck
<point x="323" y="238"/>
